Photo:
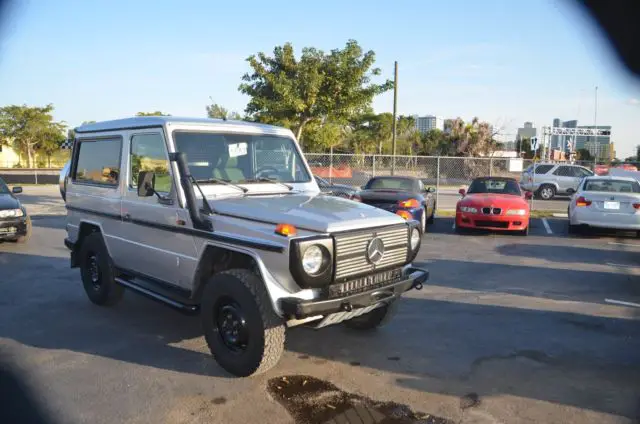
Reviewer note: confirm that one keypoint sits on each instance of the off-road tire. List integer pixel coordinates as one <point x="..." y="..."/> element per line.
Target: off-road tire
<point x="266" y="329"/>
<point x="25" y="238"/>
<point x="547" y="188"/>
<point x="104" y="292"/>
<point x="374" y="319"/>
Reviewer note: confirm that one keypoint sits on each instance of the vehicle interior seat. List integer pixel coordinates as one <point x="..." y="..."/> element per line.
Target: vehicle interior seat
<point x="228" y="169"/>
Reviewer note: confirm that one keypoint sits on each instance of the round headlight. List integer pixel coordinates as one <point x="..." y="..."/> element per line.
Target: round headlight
<point x="415" y="239"/>
<point x="312" y="260"/>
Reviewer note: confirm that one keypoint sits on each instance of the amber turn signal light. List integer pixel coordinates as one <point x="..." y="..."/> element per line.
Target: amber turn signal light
<point x="405" y="214"/>
<point x="409" y="203"/>
<point x="286" y="230"/>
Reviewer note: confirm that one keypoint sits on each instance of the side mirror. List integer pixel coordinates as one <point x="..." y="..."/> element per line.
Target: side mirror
<point x="528" y="195"/>
<point x="431" y="189"/>
<point x="146" y="183"/>
<point x="462" y="192"/>
<point x="16" y="190"/>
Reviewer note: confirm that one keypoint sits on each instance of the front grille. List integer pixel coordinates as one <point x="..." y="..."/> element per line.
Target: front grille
<point x="492" y="224"/>
<point x="362" y="284"/>
<point x="489" y="211"/>
<point x="351" y="257"/>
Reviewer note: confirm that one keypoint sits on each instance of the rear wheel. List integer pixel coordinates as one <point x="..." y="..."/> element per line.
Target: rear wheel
<point x="97" y="272"/>
<point x="546" y="192"/>
<point x="374" y="319"/>
<point x="244" y="334"/>
<point x="423" y="221"/>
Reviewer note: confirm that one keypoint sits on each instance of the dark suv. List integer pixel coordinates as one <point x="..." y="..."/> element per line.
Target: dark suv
<point x="15" y="225"/>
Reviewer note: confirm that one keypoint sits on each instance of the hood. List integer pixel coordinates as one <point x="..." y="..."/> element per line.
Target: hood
<point x="7" y="201"/>
<point x="387" y="195"/>
<point x="492" y="199"/>
<point x="309" y="211"/>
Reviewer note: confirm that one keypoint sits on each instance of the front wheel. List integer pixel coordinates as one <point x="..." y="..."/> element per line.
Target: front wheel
<point x="97" y="272"/>
<point x="547" y="192"/>
<point x="374" y="319"/>
<point x="244" y="334"/>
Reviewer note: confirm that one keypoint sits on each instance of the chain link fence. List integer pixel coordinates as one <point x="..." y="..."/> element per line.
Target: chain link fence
<point x="447" y="174"/>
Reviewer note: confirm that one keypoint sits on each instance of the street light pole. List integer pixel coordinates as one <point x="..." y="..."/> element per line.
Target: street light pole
<point x="595" y="124"/>
<point x="395" y="108"/>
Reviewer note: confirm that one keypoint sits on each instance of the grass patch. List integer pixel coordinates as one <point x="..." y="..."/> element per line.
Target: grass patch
<point x="534" y="214"/>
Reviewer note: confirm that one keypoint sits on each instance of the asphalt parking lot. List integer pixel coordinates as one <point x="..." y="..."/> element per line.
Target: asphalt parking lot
<point x="510" y="329"/>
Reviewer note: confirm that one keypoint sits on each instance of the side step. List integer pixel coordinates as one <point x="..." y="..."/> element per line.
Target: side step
<point x="155" y="292"/>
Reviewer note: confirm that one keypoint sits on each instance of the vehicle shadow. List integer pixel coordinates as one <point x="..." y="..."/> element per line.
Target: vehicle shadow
<point x="445" y="346"/>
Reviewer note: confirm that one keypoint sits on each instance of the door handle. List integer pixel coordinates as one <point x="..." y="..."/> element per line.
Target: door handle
<point x="126" y="217"/>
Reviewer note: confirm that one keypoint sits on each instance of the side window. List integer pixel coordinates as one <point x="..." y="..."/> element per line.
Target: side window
<point x="564" y="171"/>
<point x="98" y="162"/>
<point x="543" y="169"/>
<point x="149" y="153"/>
<point x="582" y="172"/>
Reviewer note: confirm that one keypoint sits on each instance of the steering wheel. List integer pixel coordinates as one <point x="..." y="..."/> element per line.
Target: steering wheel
<point x="265" y="169"/>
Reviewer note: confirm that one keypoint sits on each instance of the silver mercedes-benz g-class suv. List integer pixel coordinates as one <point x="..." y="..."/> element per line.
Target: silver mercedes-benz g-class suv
<point x="224" y="218"/>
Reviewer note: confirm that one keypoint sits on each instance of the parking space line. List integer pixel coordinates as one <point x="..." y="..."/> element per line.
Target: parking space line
<point x="622" y="302"/>
<point x="546" y="226"/>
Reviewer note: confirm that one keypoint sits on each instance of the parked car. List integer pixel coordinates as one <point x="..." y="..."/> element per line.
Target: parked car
<point x="404" y="196"/>
<point x="606" y="202"/>
<point x="493" y="203"/>
<point x="15" y="223"/>
<point x="340" y="190"/>
<point x="255" y="251"/>
<point x="551" y="179"/>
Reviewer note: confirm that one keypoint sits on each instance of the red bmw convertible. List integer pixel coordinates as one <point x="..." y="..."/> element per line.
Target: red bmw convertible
<point x="493" y="203"/>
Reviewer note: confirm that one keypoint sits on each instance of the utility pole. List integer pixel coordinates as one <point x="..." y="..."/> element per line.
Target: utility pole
<point x="395" y="123"/>
<point x="595" y="126"/>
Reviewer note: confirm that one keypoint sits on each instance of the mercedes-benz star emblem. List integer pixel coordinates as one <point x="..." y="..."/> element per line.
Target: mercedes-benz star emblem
<point x="375" y="250"/>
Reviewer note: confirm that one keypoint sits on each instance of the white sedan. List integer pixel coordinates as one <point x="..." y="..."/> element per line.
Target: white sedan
<point x="606" y="202"/>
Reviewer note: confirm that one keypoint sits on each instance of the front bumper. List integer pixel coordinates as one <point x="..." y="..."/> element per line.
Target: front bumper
<point x="492" y="222"/>
<point x="11" y="229"/>
<point x="300" y="309"/>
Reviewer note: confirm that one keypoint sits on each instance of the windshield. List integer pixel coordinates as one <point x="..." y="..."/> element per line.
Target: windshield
<point x="241" y="158"/>
<point x="404" y="184"/>
<point x="3" y="187"/>
<point x="494" y="186"/>
<point x="612" y="186"/>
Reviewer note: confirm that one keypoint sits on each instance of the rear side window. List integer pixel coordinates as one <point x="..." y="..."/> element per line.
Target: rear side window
<point x="543" y="169"/>
<point x="98" y="162"/>
<point x="565" y="171"/>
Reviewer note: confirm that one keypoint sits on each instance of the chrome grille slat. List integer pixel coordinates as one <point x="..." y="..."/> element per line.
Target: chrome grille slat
<point x="351" y="250"/>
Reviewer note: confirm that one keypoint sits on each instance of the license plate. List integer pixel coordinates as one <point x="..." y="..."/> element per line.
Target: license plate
<point x="612" y="205"/>
<point x="8" y="230"/>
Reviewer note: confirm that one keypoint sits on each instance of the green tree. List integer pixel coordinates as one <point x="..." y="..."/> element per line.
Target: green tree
<point x="216" y="111"/>
<point x="28" y="128"/>
<point x="293" y="92"/>
<point x="434" y="142"/>
<point x="156" y="113"/>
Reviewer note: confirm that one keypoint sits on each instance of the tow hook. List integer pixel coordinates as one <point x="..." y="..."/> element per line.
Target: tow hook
<point x="346" y="306"/>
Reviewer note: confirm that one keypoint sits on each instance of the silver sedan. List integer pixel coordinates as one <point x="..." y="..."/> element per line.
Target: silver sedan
<point x="606" y="202"/>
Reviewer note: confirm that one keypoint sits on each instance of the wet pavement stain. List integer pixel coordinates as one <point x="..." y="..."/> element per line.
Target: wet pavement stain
<point x="313" y="401"/>
<point x="355" y="363"/>
<point x="469" y="400"/>
<point x="393" y="358"/>
<point x="219" y="401"/>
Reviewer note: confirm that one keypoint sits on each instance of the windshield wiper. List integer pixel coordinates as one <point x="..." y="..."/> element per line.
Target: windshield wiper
<point x="269" y="180"/>
<point x="225" y="182"/>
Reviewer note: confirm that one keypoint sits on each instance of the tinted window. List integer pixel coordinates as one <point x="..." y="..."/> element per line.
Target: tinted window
<point x="614" y="186"/>
<point x="564" y="171"/>
<point x="404" y="184"/>
<point x="582" y="172"/>
<point x="497" y="186"/>
<point x="3" y="187"/>
<point x="99" y="161"/>
<point x="148" y="153"/>
<point x="543" y="169"/>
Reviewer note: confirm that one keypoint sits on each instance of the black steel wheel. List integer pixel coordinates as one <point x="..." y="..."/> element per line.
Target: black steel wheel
<point x="97" y="272"/>
<point x="244" y="334"/>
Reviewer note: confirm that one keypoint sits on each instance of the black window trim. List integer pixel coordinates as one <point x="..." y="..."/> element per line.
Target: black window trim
<point x="76" y="153"/>
<point x="166" y="148"/>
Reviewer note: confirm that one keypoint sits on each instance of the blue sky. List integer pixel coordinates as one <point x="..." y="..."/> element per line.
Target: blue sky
<point x="504" y="61"/>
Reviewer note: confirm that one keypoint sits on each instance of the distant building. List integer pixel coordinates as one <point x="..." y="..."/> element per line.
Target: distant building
<point x="527" y="131"/>
<point x="424" y="124"/>
<point x="600" y="146"/>
<point x="561" y="142"/>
